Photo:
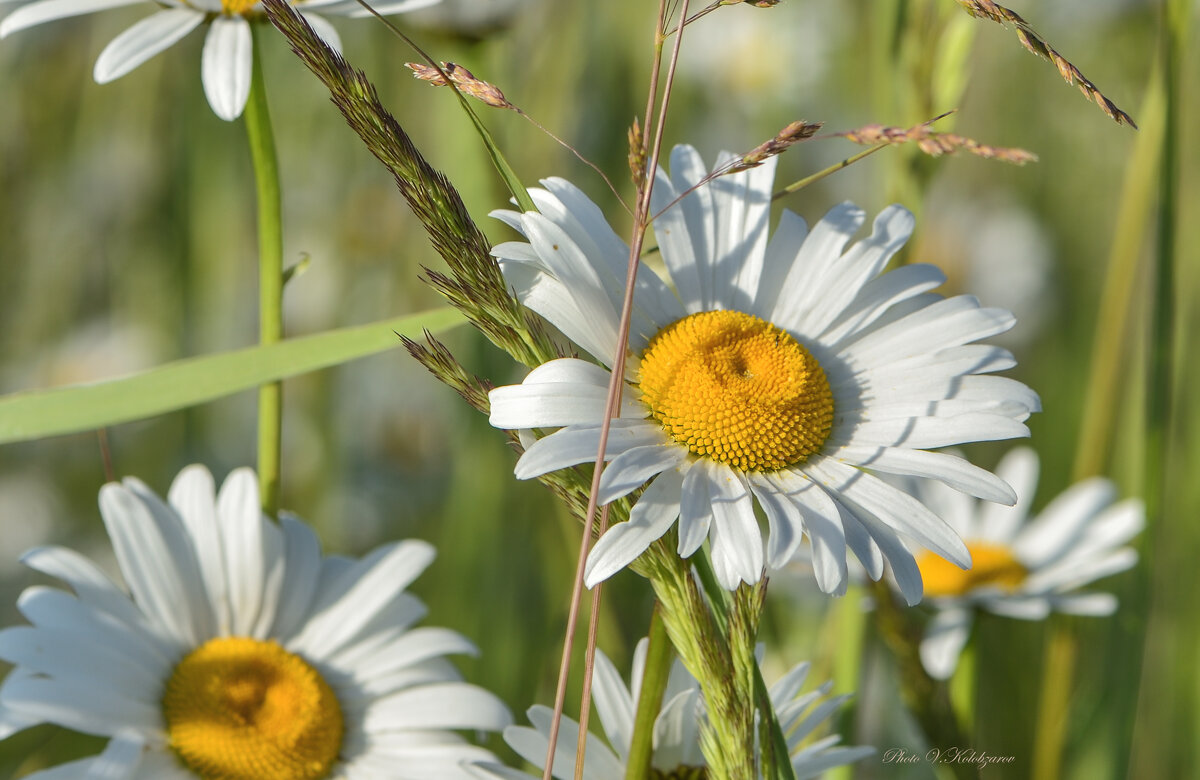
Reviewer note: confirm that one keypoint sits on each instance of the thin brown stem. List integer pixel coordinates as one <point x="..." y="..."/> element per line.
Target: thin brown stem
<point x="617" y="381"/>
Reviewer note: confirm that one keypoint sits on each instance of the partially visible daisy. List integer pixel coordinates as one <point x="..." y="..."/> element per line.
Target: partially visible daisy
<point x="676" y="739"/>
<point x="241" y="653"/>
<point x="1024" y="567"/>
<point x="784" y="372"/>
<point x="225" y="62"/>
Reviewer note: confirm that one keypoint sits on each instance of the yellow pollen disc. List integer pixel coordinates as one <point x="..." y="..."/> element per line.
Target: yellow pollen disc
<point x="246" y="709"/>
<point x="237" y="7"/>
<point x="737" y="389"/>
<point x="992" y="565"/>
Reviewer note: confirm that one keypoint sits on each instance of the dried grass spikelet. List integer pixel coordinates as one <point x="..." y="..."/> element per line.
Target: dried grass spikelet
<point x="464" y="79"/>
<point x="794" y="133"/>
<point x="637" y="154"/>
<point x="935" y="144"/>
<point x="988" y="9"/>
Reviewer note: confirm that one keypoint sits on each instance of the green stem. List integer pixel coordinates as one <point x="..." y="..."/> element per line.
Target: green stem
<point x="650" y="698"/>
<point x="270" y="276"/>
<point x="927" y="699"/>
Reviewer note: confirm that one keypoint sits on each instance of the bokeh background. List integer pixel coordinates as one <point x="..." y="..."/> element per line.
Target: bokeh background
<point x="127" y="240"/>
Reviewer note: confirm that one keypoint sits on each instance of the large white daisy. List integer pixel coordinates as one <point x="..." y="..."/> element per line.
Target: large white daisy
<point x="226" y="59"/>
<point x="783" y="372"/>
<point x="1024" y="567"/>
<point x="676" y="738"/>
<point x="240" y="651"/>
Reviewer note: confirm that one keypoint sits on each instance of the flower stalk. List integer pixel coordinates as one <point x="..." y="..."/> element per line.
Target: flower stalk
<point x="270" y="276"/>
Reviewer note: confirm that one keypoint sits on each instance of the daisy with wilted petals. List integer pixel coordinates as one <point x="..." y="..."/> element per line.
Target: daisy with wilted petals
<point x="783" y="371"/>
<point x="676" y="740"/>
<point x="240" y="651"/>
<point x="225" y="62"/>
<point x="1024" y="568"/>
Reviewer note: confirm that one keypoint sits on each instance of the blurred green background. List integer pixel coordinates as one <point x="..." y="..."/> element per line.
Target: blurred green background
<point x="127" y="239"/>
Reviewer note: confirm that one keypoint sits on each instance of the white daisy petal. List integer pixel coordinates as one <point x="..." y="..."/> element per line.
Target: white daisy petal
<point x="945" y="637"/>
<point x="385" y="8"/>
<point x="948" y="469"/>
<point x="1020" y="606"/>
<point x="614" y="704"/>
<point x="786" y="529"/>
<point x="695" y="507"/>
<point x="89" y="709"/>
<point x="1067" y="575"/>
<point x="302" y="556"/>
<point x="531" y="745"/>
<point x="880" y="294"/>
<point x="737" y="548"/>
<point x="439" y="706"/>
<point x="685" y="232"/>
<point x="632" y="468"/>
<point x="1019" y="468"/>
<point x="743" y="205"/>
<point x="808" y="280"/>
<point x="120" y="759"/>
<point x="781" y="251"/>
<point x="1047" y="538"/>
<point x="947" y="323"/>
<point x="359" y="594"/>
<point x="193" y="494"/>
<point x="159" y="563"/>
<point x="49" y="10"/>
<point x="225" y="65"/>
<point x="580" y="444"/>
<point x="863" y="262"/>
<point x="241" y="529"/>
<point x="143" y="40"/>
<point x="649" y="519"/>
<point x="562" y="392"/>
<point x="893" y="507"/>
<point x="1086" y="604"/>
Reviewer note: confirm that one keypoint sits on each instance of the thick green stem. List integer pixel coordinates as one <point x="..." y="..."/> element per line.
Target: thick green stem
<point x="654" y="684"/>
<point x="270" y="277"/>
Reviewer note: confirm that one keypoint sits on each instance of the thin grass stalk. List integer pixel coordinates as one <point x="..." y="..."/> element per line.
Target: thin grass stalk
<point x="850" y="623"/>
<point x="1164" y="339"/>
<point x="1111" y="348"/>
<point x="650" y="698"/>
<point x="270" y="275"/>
<point x="612" y="407"/>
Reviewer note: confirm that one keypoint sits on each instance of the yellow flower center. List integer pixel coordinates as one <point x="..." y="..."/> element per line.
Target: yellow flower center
<point x="737" y="389"/>
<point x="237" y="7"/>
<point x="992" y="565"/>
<point x="246" y="709"/>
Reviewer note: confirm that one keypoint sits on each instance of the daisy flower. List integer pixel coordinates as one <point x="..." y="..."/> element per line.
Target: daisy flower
<point x="240" y="651"/>
<point x="782" y="371"/>
<point x="676" y="739"/>
<point x="225" y="61"/>
<point x="1024" y="567"/>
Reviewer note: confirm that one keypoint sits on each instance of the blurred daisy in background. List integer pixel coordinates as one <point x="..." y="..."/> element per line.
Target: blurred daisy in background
<point x="226" y="59"/>
<point x="783" y="371"/>
<point x="240" y="651"/>
<point x="1024" y="567"/>
<point x="676" y="738"/>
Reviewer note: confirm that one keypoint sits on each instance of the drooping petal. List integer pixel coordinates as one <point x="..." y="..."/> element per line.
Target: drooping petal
<point x="655" y="511"/>
<point x="143" y="40"/>
<point x="49" y="10"/>
<point x="225" y="65"/>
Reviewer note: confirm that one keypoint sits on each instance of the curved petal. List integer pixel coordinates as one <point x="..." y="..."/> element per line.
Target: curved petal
<point x="630" y="469"/>
<point x="614" y="704"/>
<point x="225" y="66"/>
<point x="580" y="443"/>
<point x="951" y="470"/>
<point x="143" y="40"/>
<point x="49" y="10"/>
<point x="1019" y="468"/>
<point x="451" y="705"/>
<point x="806" y="280"/>
<point x="736" y="542"/>
<point x="651" y="516"/>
